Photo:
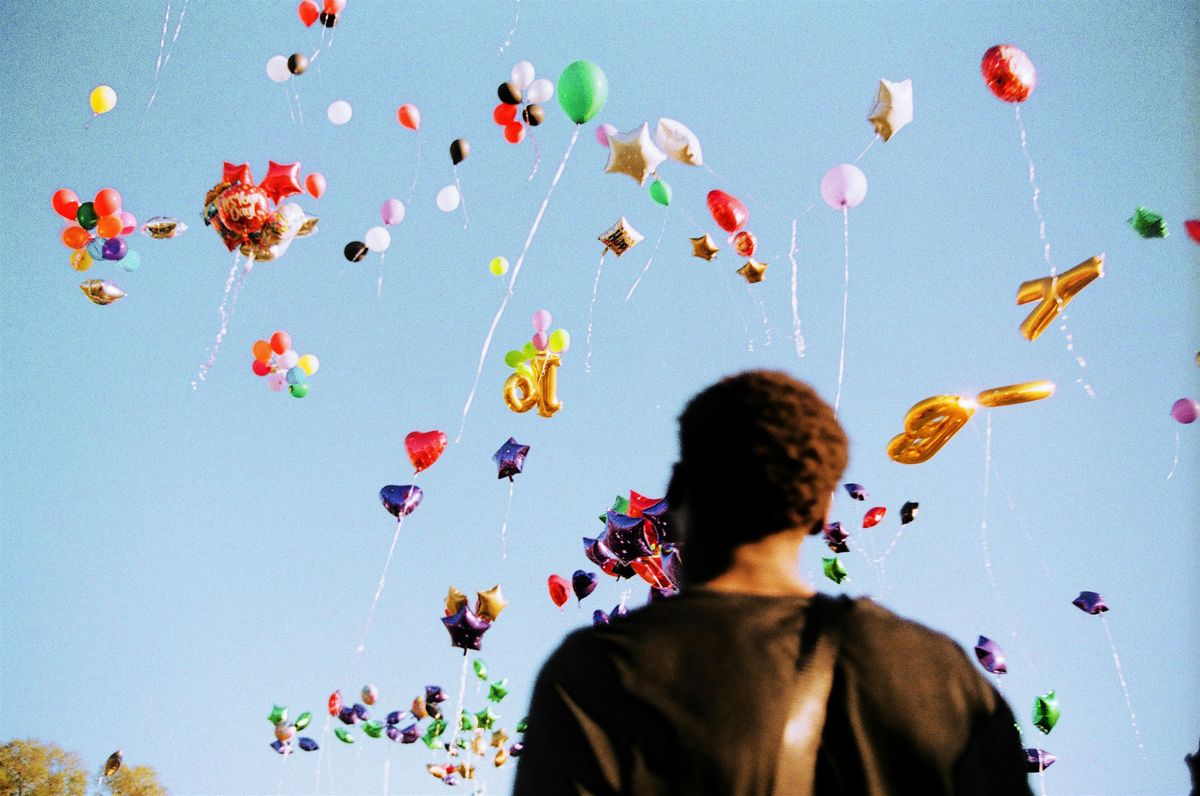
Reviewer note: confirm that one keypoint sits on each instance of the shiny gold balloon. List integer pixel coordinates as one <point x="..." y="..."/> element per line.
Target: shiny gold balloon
<point x="101" y="291"/>
<point x="499" y="738"/>
<point x="633" y="154"/>
<point x="163" y="227"/>
<point x="621" y="237"/>
<point x="703" y="247"/>
<point x="418" y="707"/>
<point x="1053" y="294"/>
<point x="455" y="599"/>
<point x="522" y="393"/>
<point x="113" y="764"/>
<point x="489" y="603"/>
<point x="928" y="426"/>
<point x="501" y="757"/>
<point x="893" y="108"/>
<point x="1016" y="394"/>
<point x="753" y="271"/>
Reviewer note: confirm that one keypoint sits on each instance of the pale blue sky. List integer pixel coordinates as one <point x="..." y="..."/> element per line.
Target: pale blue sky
<point x="173" y="562"/>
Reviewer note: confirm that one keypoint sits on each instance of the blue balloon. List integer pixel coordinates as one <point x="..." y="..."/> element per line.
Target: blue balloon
<point x="308" y="745"/>
<point x="400" y="501"/>
<point x="296" y="375"/>
<point x="96" y="249"/>
<point x="132" y="261"/>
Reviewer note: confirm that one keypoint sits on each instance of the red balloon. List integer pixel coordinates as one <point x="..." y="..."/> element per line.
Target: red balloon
<point x="638" y="503"/>
<point x="281" y="342"/>
<point x="1192" y="225"/>
<point x="75" y="237"/>
<point x="315" y="183"/>
<point x="409" y="116"/>
<point x="65" y="203"/>
<point x="308" y="11"/>
<point x="232" y="173"/>
<point x="874" y="516"/>
<point x="107" y="202"/>
<point x="514" y="133"/>
<point x="334" y="6"/>
<point x="504" y="114"/>
<point x="1008" y="72"/>
<point x="243" y="209"/>
<point x="649" y="568"/>
<point x="260" y="368"/>
<point x="282" y="180"/>
<point x="424" y="448"/>
<point x="560" y="590"/>
<point x="744" y="243"/>
<point x="335" y="703"/>
<point x="728" y="211"/>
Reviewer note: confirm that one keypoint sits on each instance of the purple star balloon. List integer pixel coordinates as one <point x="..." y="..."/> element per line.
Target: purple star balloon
<point x="466" y="629"/>
<point x="360" y="711"/>
<point x="410" y="734"/>
<point x="396" y="716"/>
<point x="599" y="617"/>
<point x="434" y="695"/>
<point x="857" y="491"/>
<point x="990" y="656"/>
<point x="836" y="536"/>
<point x="1090" y="602"/>
<point x="308" y="745"/>
<point x="598" y="553"/>
<point x="1038" y="760"/>
<point x="672" y="564"/>
<point x="583" y="583"/>
<point x="625" y="536"/>
<point x="510" y="459"/>
<point x="284" y="748"/>
<point x="347" y="715"/>
<point x="400" y="501"/>
<point x="660" y="518"/>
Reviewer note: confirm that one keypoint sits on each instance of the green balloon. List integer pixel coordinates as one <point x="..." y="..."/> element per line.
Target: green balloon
<point x="1046" y="712"/>
<point x="525" y="370"/>
<point x="298" y="390"/>
<point x="303" y="720"/>
<point x="529" y="351"/>
<point x="660" y="192"/>
<point x="373" y="728"/>
<point x="437" y="727"/>
<point x="278" y="714"/>
<point x="513" y="359"/>
<point x="86" y="216"/>
<point x="582" y="91"/>
<point x="560" y="340"/>
<point x="498" y="690"/>
<point x="480" y="667"/>
<point x="466" y="721"/>
<point x="486" y="718"/>
<point x="523" y="724"/>
<point x="835" y="570"/>
<point x="343" y="735"/>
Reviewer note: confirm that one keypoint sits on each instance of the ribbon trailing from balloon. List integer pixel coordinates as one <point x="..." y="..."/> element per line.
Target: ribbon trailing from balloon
<point x="161" y="62"/>
<point x="649" y="260"/>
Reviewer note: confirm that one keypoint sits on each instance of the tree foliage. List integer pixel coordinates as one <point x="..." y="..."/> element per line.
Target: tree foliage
<point x="30" y="767"/>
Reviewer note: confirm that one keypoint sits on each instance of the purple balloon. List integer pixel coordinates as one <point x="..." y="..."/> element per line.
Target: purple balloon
<point x="434" y="695"/>
<point x="434" y="710"/>
<point x="400" y="501"/>
<point x="308" y="745"/>
<point x="1185" y="410"/>
<point x="392" y="212"/>
<point x="599" y="617"/>
<point x="510" y="459"/>
<point x="410" y="734"/>
<point x="660" y="519"/>
<point x="347" y="715"/>
<point x="516" y="749"/>
<point x="625" y="536"/>
<point x="857" y="491"/>
<point x="672" y="564"/>
<point x="115" y="249"/>
<point x="583" y="583"/>
<point x="990" y="656"/>
<point x="283" y="747"/>
<point x="1090" y="602"/>
<point x="466" y="629"/>
<point x="618" y="611"/>
<point x="1038" y="760"/>
<point x="360" y="711"/>
<point x="393" y="732"/>
<point x="657" y="594"/>
<point x="836" y="536"/>
<point x="396" y="716"/>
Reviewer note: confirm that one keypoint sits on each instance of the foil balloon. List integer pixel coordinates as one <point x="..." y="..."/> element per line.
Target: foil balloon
<point x="893" y="108"/>
<point x="626" y="536"/>
<point x="435" y="694"/>
<point x="113" y="764"/>
<point x="728" y="211"/>
<point x="559" y="590"/>
<point x="1090" y="602"/>
<point x="400" y="501"/>
<point x="874" y="517"/>
<point x="856" y="491"/>
<point x="753" y="271"/>
<point x="373" y="729"/>
<point x="745" y="244"/>
<point x="633" y="154"/>
<point x="370" y="694"/>
<point x="497" y="691"/>
<point x="499" y="738"/>
<point x="284" y="732"/>
<point x="281" y="747"/>
<point x="335" y="703"/>
<point x="1046" y="712"/>
<point x="516" y="749"/>
<point x="343" y="735"/>
<point x="678" y="142"/>
<point x="990" y="656"/>
<point x="486" y="718"/>
<point x="1008" y="72"/>
<point x="1053" y="294"/>
<point x="163" y="227"/>
<point x="277" y="715"/>
<point x="649" y="569"/>
<point x="480" y="668"/>
<point x="396" y="716"/>
<point x="410" y="734"/>
<point x="583" y="583"/>
<point x="489" y="603"/>
<point x="510" y="459"/>
<point x="908" y="512"/>
<point x="101" y="291"/>
<point x="1038" y="760"/>
<point x="703" y="247"/>
<point x="455" y="600"/>
<point x="243" y="209"/>
<point x="834" y="569"/>
<point x="466" y="629"/>
<point x="1148" y="224"/>
<point x="835" y="537"/>
<point x="1016" y="394"/>
<point x="928" y="426"/>
<point x="424" y="448"/>
<point x="621" y="237"/>
<point x="523" y="392"/>
<point x="346" y="715"/>
<point x="360" y="711"/>
<point x="1192" y="225"/>
<point x="308" y="745"/>
<point x="282" y="181"/>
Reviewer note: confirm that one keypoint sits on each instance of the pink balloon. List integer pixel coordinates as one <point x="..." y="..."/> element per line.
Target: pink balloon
<point x="392" y="212"/>
<point x="1185" y="410"/>
<point x="603" y="131"/>
<point x="277" y="381"/>
<point x="541" y="340"/>
<point x="844" y="186"/>
<point x="542" y="320"/>
<point x="128" y="223"/>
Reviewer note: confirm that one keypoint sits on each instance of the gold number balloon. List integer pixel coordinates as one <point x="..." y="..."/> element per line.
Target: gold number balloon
<point x="928" y="426"/>
<point x="1054" y="294"/>
<point x="1016" y="394"/>
<point x="522" y="393"/>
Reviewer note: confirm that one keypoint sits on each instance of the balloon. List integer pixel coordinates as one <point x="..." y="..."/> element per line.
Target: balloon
<point x="281" y="747"/>
<point x="298" y="390"/>
<point x="296" y="376"/>
<point x="113" y="764"/>
<point x="893" y="108"/>
<point x="499" y="689"/>
<point x="328" y="20"/>
<point x="510" y="459"/>
<point x="334" y="6"/>
<point x="1053" y="295"/>
<point x="499" y="737"/>
<point x="107" y="202"/>
<point x="109" y="226"/>
<point x="409" y="116"/>
<point x="1090" y="602"/>
<point x="704" y="247"/>
<point x="753" y="271"/>
<point x="1008" y="72"/>
<point x="435" y="694"/>
<point x="489" y="603"/>
<point x="303" y="720"/>
<point x="378" y="239"/>
<point x="283" y="180"/>
<point x="339" y="112"/>
<point x="990" y="655"/>
<point x="874" y="516"/>
<point x="281" y="342"/>
<point x="86" y="216"/>
<point x="603" y="131"/>
<point x="369" y="694"/>
<point x="161" y="227"/>
<point x="541" y="341"/>
<point x="448" y="199"/>
<point x="560" y="341"/>
<point x="360" y="712"/>
<point x="633" y="154"/>
<point x="309" y="364"/>
<point x="625" y="536"/>
<point x="278" y="714"/>
<point x="533" y="115"/>
<point x="514" y="133"/>
<point x="559" y="590"/>
<point x="523" y="392"/>
<point x="1046" y="712"/>
<point x="522" y="74"/>
<point x="583" y="583"/>
<point x="103" y="99"/>
<point x="1185" y="410"/>
<point x="284" y="732"/>
<point x="540" y="92"/>
<point x="834" y="569"/>
<point x="844" y="186"/>
<point x="908" y="512"/>
<point x="65" y="203"/>
<point x="308" y="745"/>
<point x="504" y="114"/>
<point x="466" y="629"/>
<point x="392" y="212"/>
<point x="621" y="237"/>
<point x="276" y="382"/>
<point x="1192" y="225"/>
<point x="660" y="192"/>
<point x="499" y="267"/>
<point x="678" y="142"/>
<point x="81" y="260"/>
<point x="131" y="262"/>
<point x="835" y="537"/>
<point x="1016" y="394"/>
<point x="315" y="185"/>
<point x="582" y="91"/>
<point x="115" y="249"/>
<point x="335" y="703"/>
<point x="128" y="222"/>
<point x="1038" y="760"/>
<point x="856" y="491"/>
<point x="744" y="243"/>
<point x="243" y="209"/>
<point x="928" y="426"/>
<point x="355" y="251"/>
<point x="400" y="501"/>
<point x="1148" y="224"/>
<point x="466" y="721"/>
<point x="76" y="237"/>
<point x="424" y="448"/>
<point x="297" y="63"/>
<point x="509" y="94"/>
<point x="460" y="150"/>
<point x="728" y="211"/>
<point x="308" y="11"/>
<point x="343" y="735"/>
<point x="541" y="320"/>
<point x="277" y="68"/>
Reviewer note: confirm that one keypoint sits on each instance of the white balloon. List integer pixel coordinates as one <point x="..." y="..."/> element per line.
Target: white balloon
<point x="522" y="74"/>
<point x="377" y="239"/>
<point x="448" y="199"/>
<point x="678" y="142"/>
<point x="288" y="359"/>
<point x="277" y="69"/>
<point x="339" y="112"/>
<point x="540" y="91"/>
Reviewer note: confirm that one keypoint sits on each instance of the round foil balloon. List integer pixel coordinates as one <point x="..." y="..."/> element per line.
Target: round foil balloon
<point x="243" y="208"/>
<point x="1008" y="72"/>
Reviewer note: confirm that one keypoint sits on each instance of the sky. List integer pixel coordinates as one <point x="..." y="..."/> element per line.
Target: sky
<point x="175" y="561"/>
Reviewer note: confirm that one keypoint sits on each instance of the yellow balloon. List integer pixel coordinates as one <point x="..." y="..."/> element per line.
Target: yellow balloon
<point x="309" y="364"/>
<point x="928" y="426"/>
<point x="103" y="99"/>
<point x="81" y="260"/>
<point x="1054" y="293"/>
<point x="1016" y="393"/>
<point x="498" y="266"/>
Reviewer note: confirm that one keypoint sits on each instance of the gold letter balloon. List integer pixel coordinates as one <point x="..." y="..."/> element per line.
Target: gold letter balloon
<point x="1054" y="293"/>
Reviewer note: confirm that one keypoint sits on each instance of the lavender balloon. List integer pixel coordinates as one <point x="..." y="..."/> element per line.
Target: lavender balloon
<point x="510" y="459"/>
<point x="1185" y="410"/>
<point x="1038" y="760"/>
<point x="990" y="656"/>
<point x="856" y="491"/>
<point x="836" y="536"/>
<point x="392" y="212"/>
<point x="1090" y="602"/>
<point x="400" y="501"/>
<point x="583" y="583"/>
<point x="114" y="249"/>
<point x="844" y="186"/>
<point x="466" y="629"/>
<point x="283" y="748"/>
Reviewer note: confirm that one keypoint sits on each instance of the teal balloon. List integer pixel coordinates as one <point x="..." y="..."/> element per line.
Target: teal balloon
<point x="660" y="192"/>
<point x="86" y="216"/>
<point x="296" y="375"/>
<point x="582" y="91"/>
<point x="132" y="261"/>
<point x="96" y="249"/>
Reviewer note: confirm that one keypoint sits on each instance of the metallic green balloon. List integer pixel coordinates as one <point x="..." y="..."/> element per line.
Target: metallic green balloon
<point x="278" y="714"/>
<point x="835" y="570"/>
<point x="523" y="724"/>
<point x="343" y="735"/>
<point x="303" y="720"/>
<point x="480" y="668"/>
<point x="466" y="721"/>
<point x="486" y="718"/>
<point x="437" y="727"/>
<point x="498" y="690"/>
<point x="1045" y="712"/>
<point x="582" y="91"/>
<point x="660" y="192"/>
<point x="1145" y="222"/>
<point x="373" y="728"/>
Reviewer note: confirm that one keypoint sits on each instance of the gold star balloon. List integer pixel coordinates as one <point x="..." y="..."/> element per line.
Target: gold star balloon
<point x="703" y="247"/>
<point x="101" y="291"/>
<point x="489" y="603"/>
<point x="455" y="599"/>
<point x="893" y="108"/>
<point x="634" y="154"/>
<point x="753" y="271"/>
<point x="621" y="237"/>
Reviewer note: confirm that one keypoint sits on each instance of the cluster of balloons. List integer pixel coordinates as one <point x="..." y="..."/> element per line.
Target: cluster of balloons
<point x="102" y="99"/>
<point x="282" y="366"/>
<point x="635" y="155"/>
<point x="582" y="583"/>
<point x="97" y="229"/>
<point x="637" y="540"/>
<point x="534" y="381"/>
<point x="327" y="13"/>
<point x="241" y="212"/>
<point x="466" y="627"/>
<point x="522" y="90"/>
<point x="285" y="731"/>
<point x="376" y="239"/>
<point x="281" y="68"/>
<point x="731" y="215"/>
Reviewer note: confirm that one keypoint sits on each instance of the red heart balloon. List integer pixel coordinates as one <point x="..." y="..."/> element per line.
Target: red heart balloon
<point x="424" y="448"/>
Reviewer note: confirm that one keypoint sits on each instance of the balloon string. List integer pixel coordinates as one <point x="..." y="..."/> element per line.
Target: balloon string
<point x="868" y="149"/>
<point x="412" y="189"/>
<point x="456" y="719"/>
<point x="162" y="42"/>
<point x="537" y="158"/>
<point x="837" y="401"/>
<point x="1174" y="463"/>
<point x="299" y="107"/>
<point x="797" y="334"/>
<point x="321" y="748"/>
<point x="462" y="199"/>
<point x="287" y="95"/>
<point x="387" y="775"/>
<point x="379" y="281"/>
<point x="362" y="643"/>
<point x="225" y="311"/>
<point x="504" y="526"/>
<point x="662" y="230"/>
<point x="587" y="360"/>
<point x="1124" y="687"/>
<point x="762" y="309"/>
<point x="487" y="341"/>
<point x="512" y="31"/>
<point x="1041" y="780"/>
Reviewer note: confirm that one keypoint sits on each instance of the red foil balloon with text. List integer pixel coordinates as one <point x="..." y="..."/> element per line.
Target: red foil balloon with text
<point x="243" y="209"/>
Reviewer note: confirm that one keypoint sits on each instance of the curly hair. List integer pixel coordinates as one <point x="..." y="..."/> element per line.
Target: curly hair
<point x="759" y="453"/>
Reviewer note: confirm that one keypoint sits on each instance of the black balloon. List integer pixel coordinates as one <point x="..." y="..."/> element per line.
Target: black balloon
<point x="434" y="694"/>
<point x="327" y="19"/>
<point x="298" y="63"/>
<point x="355" y="251"/>
<point x="908" y="512"/>
<point x="509" y="94"/>
<point x="460" y="148"/>
<point x="533" y="115"/>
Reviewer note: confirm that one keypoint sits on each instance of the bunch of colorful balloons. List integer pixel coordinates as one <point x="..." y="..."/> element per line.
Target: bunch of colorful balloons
<point x="285" y="731"/>
<point x="97" y="229"/>
<point x="637" y="540"/>
<point x="534" y="381"/>
<point x="466" y="627"/>
<point x="327" y="13"/>
<point x="635" y="155"/>
<point x="241" y="214"/>
<point x="522" y="90"/>
<point x="282" y="366"/>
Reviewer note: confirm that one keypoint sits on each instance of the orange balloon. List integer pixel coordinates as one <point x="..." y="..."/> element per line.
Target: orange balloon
<point x="281" y="342"/>
<point x="514" y="133"/>
<point x="75" y="237"/>
<point x="107" y="202"/>
<point x="409" y="116"/>
<point x="928" y="426"/>
<point x="109" y="226"/>
<point x="262" y="350"/>
<point x="504" y="114"/>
